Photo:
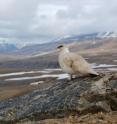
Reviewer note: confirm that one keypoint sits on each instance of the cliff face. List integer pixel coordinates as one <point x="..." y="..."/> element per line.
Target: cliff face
<point x="81" y="95"/>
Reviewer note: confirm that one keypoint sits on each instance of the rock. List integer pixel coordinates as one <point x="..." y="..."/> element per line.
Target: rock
<point x="81" y="95"/>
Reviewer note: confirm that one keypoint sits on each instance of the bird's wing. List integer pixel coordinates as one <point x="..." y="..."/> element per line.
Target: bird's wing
<point x="79" y="59"/>
<point x="79" y="64"/>
<point x="68" y="61"/>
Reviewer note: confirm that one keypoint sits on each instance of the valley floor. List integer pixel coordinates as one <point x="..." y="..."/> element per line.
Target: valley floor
<point x="18" y="81"/>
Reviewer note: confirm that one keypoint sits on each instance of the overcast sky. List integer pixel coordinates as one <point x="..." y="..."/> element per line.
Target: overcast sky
<point x="45" y="20"/>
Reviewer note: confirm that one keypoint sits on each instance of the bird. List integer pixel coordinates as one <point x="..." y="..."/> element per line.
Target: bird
<point x="74" y="64"/>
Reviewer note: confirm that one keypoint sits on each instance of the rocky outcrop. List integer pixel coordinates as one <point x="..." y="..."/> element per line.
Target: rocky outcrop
<point x="81" y="95"/>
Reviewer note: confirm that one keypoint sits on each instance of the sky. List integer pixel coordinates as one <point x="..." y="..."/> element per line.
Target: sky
<point x="39" y="21"/>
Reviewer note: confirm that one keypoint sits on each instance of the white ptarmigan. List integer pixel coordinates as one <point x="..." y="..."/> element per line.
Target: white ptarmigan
<point x="74" y="64"/>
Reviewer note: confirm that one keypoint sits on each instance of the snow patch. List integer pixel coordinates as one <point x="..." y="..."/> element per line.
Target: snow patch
<point x="36" y="83"/>
<point x="94" y="65"/>
<point x="58" y="76"/>
<point x="45" y="71"/>
<point x="53" y="69"/>
<point x="21" y="73"/>
<point x="114" y="60"/>
<point x="62" y="76"/>
<point x="43" y="53"/>
<point x="112" y="69"/>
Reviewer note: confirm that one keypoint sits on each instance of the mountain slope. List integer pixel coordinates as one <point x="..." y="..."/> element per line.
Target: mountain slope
<point x="6" y="47"/>
<point x="35" y="49"/>
<point x="46" y="47"/>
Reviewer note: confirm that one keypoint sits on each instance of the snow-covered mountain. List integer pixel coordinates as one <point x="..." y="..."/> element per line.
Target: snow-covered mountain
<point x="90" y="36"/>
<point x="107" y="34"/>
<point x="46" y="47"/>
<point x="34" y="49"/>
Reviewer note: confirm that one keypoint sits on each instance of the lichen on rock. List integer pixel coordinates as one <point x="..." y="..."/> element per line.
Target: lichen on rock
<point x="81" y="95"/>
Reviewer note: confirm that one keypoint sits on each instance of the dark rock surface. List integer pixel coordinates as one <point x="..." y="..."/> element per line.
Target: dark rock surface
<point x="81" y="95"/>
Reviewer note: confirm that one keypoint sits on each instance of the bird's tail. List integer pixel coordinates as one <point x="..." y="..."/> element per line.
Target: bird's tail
<point x="94" y="73"/>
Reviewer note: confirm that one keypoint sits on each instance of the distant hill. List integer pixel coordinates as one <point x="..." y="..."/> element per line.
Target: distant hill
<point x="7" y="47"/>
<point x="35" y="49"/>
<point x="95" y="46"/>
<point x="100" y="51"/>
<point x="46" y="47"/>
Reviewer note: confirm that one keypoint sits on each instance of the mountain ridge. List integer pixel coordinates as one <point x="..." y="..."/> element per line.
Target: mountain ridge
<point x="34" y="49"/>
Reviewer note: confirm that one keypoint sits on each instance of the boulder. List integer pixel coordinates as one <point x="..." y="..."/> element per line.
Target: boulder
<point x="81" y="95"/>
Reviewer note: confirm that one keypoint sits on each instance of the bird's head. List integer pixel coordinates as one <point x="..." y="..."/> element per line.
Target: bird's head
<point x="63" y="48"/>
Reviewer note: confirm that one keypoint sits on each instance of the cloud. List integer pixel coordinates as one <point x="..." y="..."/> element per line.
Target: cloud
<point x="45" y="20"/>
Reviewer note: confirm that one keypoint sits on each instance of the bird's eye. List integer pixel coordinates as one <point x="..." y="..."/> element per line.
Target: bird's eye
<point x="60" y="46"/>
